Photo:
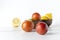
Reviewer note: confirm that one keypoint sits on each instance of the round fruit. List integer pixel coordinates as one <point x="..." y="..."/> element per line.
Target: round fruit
<point x="41" y="28"/>
<point x="36" y="16"/>
<point x="49" y="15"/>
<point x="27" y="26"/>
<point x="16" y="22"/>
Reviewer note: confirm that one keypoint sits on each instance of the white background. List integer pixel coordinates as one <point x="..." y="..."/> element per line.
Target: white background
<point x="24" y="9"/>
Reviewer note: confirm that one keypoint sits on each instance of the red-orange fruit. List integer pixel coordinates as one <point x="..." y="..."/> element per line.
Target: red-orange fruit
<point x="41" y="28"/>
<point x="36" y="16"/>
<point x="27" y="26"/>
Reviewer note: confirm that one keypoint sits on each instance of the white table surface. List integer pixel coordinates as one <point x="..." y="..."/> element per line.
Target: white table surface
<point x="14" y="34"/>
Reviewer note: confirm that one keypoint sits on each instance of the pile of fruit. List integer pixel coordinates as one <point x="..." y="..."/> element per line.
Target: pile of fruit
<point x="38" y="22"/>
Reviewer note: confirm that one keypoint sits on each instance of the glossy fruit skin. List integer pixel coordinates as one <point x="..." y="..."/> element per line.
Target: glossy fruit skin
<point x="27" y="26"/>
<point x="36" y="16"/>
<point x="41" y="28"/>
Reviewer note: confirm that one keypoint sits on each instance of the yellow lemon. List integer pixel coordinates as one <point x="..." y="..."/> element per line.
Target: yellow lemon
<point x="16" y="22"/>
<point x="49" y="15"/>
<point x="44" y="18"/>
